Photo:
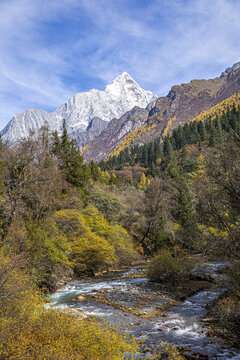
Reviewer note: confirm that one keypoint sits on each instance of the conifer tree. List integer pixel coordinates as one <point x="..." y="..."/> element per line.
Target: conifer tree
<point x="168" y="151"/>
<point x="202" y="130"/>
<point x="151" y="153"/>
<point x="218" y="132"/>
<point x="157" y="150"/>
<point x="71" y="160"/>
<point x="145" y="155"/>
<point x="212" y="138"/>
<point x="94" y="170"/>
<point x="194" y="133"/>
<point x="56" y="144"/>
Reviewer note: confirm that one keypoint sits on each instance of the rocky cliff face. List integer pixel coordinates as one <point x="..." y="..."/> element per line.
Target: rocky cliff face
<point x="117" y="98"/>
<point x="184" y="102"/>
<point x="115" y="133"/>
<point x="231" y="69"/>
<point x="95" y="127"/>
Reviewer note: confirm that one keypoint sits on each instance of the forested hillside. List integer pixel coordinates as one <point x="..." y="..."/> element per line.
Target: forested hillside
<point x="211" y="126"/>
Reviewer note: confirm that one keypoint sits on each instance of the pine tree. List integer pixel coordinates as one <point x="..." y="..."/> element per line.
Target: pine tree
<point x="157" y="150"/>
<point x="212" y="138"/>
<point x="94" y="170"/>
<point x="150" y="153"/>
<point x="187" y="134"/>
<point x="180" y="138"/>
<point x="71" y="160"/>
<point x="145" y="155"/>
<point x="122" y="158"/>
<point x="202" y="130"/>
<point x="185" y="211"/>
<point x="218" y="132"/>
<point x="168" y="151"/>
<point x="194" y="133"/>
<point x="56" y="144"/>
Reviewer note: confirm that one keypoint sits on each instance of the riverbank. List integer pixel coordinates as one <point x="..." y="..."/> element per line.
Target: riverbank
<point x="224" y="322"/>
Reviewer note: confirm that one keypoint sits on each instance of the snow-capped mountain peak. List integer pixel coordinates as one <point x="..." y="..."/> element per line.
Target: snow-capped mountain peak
<point x="123" y="78"/>
<point x="115" y="100"/>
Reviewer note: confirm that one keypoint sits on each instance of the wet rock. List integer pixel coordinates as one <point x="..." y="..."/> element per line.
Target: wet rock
<point x="81" y="298"/>
<point x="207" y="320"/>
<point x="164" y="356"/>
<point x="202" y="277"/>
<point x="75" y="313"/>
<point x="195" y="356"/>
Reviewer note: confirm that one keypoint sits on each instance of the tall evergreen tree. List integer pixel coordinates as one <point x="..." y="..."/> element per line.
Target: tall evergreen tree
<point x="145" y="155"/>
<point x="218" y="132"/>
<point x="202" y="130"/>
<point x="71" y="160"/>
<point x="212" y="138"/>
<point x="167" y="149"/>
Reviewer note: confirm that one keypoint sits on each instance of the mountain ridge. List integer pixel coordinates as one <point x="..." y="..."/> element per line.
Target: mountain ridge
<point x="183" y="103"/>
<point x="116" y="99"/>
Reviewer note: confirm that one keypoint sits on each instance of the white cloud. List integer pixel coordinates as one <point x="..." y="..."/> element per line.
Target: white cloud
<point x="200" y="38"/>
<point x="160" y="44"/>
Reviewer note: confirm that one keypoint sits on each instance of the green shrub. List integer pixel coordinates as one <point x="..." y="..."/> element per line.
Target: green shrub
<point x="227" y="311"/>
<point x="106" y="202"/>
<point x="165" y="267"/>
<point x="47" y="248"/>
<point x="233" y="278"/>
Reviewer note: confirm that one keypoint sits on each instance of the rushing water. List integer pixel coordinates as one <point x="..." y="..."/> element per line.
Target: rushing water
<point x="181" y="324"/>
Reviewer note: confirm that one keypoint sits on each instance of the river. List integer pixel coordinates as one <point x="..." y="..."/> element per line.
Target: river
<point x="180" y="324"/>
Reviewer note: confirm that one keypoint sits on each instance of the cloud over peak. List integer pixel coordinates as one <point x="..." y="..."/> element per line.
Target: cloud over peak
<point x="51" y="49"/>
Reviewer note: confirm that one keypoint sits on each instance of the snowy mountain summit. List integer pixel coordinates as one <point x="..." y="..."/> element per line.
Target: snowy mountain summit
<point x="114" y="101"/>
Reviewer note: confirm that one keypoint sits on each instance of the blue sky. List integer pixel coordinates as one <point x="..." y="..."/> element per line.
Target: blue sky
<point x="52" y="49"/>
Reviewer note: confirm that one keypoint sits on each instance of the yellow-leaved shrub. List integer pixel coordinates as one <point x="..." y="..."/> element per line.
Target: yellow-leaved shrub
<point x="28" y="330"/>
<point x="115" y="234"/>
<point x="90" y="252"/>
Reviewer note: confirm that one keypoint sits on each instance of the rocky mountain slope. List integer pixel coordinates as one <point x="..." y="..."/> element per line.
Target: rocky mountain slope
<point x="183" y="103"/>
<point x="95" y="127"/>
<point x="114" y="101"/>
<point x="115" y="133"/>
<point x="231" y="69"/>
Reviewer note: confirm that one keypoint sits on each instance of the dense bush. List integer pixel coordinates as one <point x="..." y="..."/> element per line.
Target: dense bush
<point x="106" y="202"/>
<point x="165" y="267"/>
<point x="233" y="279"/>
<point x="227" y="311"/>
<point x="89" y="252"/>
<point x="115" y="234"/>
